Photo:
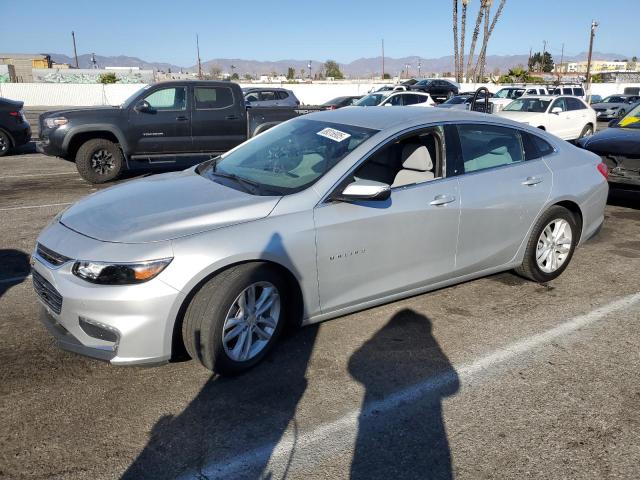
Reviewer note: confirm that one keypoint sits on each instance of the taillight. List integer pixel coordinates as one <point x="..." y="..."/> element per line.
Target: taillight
<point x="14" y="114"/>
<point x="331" y="107"/>
<point x="604" y="170"/>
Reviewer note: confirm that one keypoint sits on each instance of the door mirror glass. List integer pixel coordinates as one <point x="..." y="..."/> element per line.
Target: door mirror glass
<point x="364" y="190"/>
<point x="556" y="110"/>
<point x="143" y="107"/>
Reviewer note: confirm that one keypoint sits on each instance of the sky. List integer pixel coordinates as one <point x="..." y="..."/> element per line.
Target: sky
<point x="343" y="30"/>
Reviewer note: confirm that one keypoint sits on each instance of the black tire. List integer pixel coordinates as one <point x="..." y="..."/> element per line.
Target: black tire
<point x="5" y="143"/>
<point x="99" y="160"/>
<point x="586" y="131"/>
<point x="204" y="318"/>
<point x="529" y="268"/>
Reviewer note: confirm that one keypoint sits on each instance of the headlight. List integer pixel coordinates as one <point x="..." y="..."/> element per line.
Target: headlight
<point x="106" y="273"/>
<point x="53" y="122"/>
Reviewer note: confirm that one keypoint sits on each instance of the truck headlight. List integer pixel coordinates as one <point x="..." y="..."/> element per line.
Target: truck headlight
<point x="106" y="273"/>
<point x="54" y="122"/>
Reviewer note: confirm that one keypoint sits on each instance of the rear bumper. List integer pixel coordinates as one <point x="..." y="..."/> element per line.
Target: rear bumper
<point x="21" y="135"/>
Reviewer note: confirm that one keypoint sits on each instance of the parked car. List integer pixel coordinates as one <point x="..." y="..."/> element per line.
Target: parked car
<point x="270" y="97"/>
<point x="595" y="99"/>
<point x="169" y="123"/>
<point x="439" y="89"/>
<point x="619" y="147"/>
<point x="615" y="106"/>
<point x="14" y="128"/>
<point x="574" y="91"/>
<point x="373" y="99"/>
<point x="569" y="118"/>
<point x="461" y="102"/>
<point x="408" y="99"/>
<point x="340" y="102"/>
<point x="318" y="217"/>
<point x="505" y="96"/>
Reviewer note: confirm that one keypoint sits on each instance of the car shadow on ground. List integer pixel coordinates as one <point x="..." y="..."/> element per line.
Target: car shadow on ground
<point x="624" y="198"/>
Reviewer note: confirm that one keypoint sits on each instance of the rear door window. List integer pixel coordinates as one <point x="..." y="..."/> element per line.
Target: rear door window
<point x="489" y="146"/>
<point x="210" y="98"/>
<point x="535" y="147"/>
<point x="282" y="95"/>
<point x="267" y="96"/>
<point x="575" y="104"/>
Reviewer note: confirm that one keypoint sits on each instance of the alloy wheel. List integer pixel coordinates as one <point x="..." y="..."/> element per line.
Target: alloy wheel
<point x="4" y="143"/>
<point x="102" y="161"/>
<point x="251" y="321"/>
<point x="554" y="245"/>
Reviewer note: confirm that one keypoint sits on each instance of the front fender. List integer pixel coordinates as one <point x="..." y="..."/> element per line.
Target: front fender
<point x="95" y="127"/>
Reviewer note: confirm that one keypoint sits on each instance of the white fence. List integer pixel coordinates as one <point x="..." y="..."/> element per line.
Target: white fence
<point x="68" y="94"/>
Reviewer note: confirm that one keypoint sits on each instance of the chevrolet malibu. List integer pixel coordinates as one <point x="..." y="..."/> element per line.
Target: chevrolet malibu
<point x="323" y="215"/>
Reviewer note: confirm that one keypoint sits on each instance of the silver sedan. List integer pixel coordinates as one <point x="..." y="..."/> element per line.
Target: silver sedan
<point x="323" y="215"/>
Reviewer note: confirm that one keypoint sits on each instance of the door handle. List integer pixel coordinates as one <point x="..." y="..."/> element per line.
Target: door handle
<point x="182" y="118"/>
<point x="441" y="200"/>
<point x="531" y="181"/>
<point x="231" y="117"/>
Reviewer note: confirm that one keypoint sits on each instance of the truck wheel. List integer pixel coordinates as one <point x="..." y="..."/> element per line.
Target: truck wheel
<point x="551" y="245"/>
<point x="5" y="143"/>
<point x="99" y="160"/>
<point x="236" y="318"/>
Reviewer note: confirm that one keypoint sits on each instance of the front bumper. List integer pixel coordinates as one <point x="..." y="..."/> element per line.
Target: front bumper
<point x="44" y="145"/>
<point x="122" y="324"/>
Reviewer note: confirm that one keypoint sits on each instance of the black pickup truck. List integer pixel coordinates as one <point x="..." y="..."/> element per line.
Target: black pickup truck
<point x="166" y="124"/>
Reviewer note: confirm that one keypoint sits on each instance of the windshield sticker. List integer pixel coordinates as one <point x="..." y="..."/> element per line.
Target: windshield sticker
<point x="333" y="134"/>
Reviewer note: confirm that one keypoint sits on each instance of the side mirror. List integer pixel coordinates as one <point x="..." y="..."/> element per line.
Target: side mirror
<point x="556" y="110"/>
<point x="143" y="107"/>
<point x="364" y="190"/>
<point x="614" y="122"/>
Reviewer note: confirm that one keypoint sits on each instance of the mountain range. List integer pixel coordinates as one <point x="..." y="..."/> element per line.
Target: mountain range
<point x="362" y="67"/>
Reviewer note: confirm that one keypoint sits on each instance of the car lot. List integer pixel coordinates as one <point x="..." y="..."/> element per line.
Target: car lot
<point x="496" y="378"/>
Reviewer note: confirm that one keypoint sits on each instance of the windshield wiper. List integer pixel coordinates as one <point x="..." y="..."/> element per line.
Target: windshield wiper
<point x="248" y="185"/>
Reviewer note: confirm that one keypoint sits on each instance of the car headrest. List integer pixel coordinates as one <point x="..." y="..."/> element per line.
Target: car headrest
<point x="499" y="150"/>
<point x="416" y="157"/>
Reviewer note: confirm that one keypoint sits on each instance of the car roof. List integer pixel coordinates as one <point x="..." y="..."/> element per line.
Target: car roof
<point x="383" y="118"/>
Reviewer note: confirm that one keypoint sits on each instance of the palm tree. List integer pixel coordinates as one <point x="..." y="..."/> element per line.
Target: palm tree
<point x="474" y="38"/>
<point x="465" y="4"/>
<point x="488" y="31"/>
<point x="456" y="52"/>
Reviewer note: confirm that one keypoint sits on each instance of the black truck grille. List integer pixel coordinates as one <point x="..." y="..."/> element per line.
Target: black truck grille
<point x="51" y="257"/>
<point x="47" y="293"/>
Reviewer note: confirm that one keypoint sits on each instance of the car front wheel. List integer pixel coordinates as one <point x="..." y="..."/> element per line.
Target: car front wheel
<point x="235" y="318"/>
<point x="551" y="245"/>
<point x="99" y="161"/>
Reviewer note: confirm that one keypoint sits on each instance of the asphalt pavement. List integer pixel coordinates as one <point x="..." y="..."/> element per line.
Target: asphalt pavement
<point x="498" y="378"/>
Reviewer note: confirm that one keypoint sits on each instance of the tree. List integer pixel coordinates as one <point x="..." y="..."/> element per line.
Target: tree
<point x="465" y="4"/>
<point x="332" y="69"/>
<point x="474" y="39"/>
<point x="456" y="48"/>
<point x="248" y="76"/>
<point x="235" y="76"/>
<point x="215" y="71"/>
<point x="488" y="31"/>
<point x="541" y="62"/>
<point x="291" y="73"/>
<point x="302" y="72"/>
<point x="106" y="78"/>
<point x="386" y="76"/>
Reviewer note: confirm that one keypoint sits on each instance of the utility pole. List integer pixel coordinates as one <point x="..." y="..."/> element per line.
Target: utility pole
<point x="594" y="25"/>
<point x="75" y="52"/>
<point x="309" y="67"/>
<point x="199" y="63"/>
<point x="561" y="63"/>
<point x="419" y="67"/>
<point x="544" y="50"/>
<point x="383" y="59"/>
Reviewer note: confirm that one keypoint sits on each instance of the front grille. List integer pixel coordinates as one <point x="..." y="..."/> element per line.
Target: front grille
<point x="600" y="110"/>
<point x="47" y="292"/>
<point x="51" y="257"/>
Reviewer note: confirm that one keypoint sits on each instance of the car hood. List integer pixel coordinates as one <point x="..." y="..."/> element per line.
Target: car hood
<point x="519" y="116"/>
<point x="616" y="140"/>
<point x="82" y="111"/>
<point x="163" y="207"/>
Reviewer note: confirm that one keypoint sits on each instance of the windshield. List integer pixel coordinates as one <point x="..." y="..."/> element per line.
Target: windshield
<point x="370" y="100"/>
<point x="457" y="100"/>
<point x="509" y="93"/>
<point x="287" y="158"/>
<point x="631" y="119"/>
<point x="534" y="105"/>
<point x="127" y="103"/>
<point x="422" y="83"/>
<point x="614" y="99"/>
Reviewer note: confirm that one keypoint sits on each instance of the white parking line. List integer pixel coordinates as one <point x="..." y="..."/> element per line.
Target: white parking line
<point x="347" y="425"/>
<point x="37" y="175"/>
<point x="14" y="279"/>
<point x="34" y="206"/>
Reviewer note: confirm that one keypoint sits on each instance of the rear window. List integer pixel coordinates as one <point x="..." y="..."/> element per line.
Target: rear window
<point x="208" y="98"/>
<point x="282" y="95"/>
<point x="578" y="92"/>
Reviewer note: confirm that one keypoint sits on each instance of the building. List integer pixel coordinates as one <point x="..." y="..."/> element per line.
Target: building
<point x="23" y="64"/>
<point x="597" y="66"/>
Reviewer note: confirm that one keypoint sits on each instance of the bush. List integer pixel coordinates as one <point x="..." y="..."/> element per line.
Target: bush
<point x="106" y="78"/>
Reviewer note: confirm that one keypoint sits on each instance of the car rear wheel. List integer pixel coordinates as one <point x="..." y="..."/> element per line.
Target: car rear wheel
<point x="587" y="131"/>
<point x="5" y="143"/>
<point x="99" y="160"/>
<point x="235" y="318"/>
<point x="551" y="245"/>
